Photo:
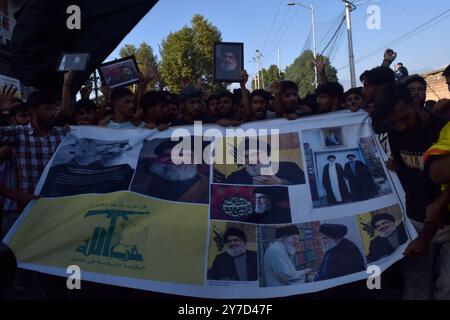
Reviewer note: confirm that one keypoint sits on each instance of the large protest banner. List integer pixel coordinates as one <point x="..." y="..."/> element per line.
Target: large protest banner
<point x="115" y="203"/>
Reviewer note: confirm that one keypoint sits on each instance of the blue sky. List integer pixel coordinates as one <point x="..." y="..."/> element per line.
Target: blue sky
<point x="250" y="21"/>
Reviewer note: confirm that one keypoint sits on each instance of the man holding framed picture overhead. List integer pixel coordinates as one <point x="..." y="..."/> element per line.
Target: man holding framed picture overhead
<point x="228" y="61"/>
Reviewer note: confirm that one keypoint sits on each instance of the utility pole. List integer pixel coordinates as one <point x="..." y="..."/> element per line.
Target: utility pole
<point x="279" y="70"/>
<point x="349" y="7"/>
<point x="96" y="86"/>
<point x="313" y="17"/>
<point x="257" y="58"/>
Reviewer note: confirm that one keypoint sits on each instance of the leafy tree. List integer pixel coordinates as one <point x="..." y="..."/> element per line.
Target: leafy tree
<point x="301" y="71"/>
<point x="144" y="55"/>
<point x="187" y="55"/>
<point x="267" y="76"/>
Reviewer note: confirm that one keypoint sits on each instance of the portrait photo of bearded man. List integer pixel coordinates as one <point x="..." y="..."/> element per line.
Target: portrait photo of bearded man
<point x="389" y="236"/>
<point x="236" y="262"/>
<point x="228" y="62"/>
<point x="159" y="177"/>
<point x="257" y="156"/>
<point x="267" y="209"/>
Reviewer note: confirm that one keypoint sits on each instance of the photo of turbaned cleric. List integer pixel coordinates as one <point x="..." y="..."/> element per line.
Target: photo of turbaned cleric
<point x="159" y="177"/>
<point x="228" y="61"/>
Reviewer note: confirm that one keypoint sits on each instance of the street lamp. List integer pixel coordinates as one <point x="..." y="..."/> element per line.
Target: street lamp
<point x="311" y="8"/>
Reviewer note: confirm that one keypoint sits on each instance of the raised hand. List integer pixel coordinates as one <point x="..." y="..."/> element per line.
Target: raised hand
<point x="244" y="77"/>
<point x="85" y="92"/>
<point x="320" y="64"/>
<point x="8" y="91"/>
<point x="6" y="95"/>
<point x="390" y="55"/>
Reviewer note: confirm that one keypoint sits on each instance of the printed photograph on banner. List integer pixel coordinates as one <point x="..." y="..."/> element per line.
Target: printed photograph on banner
<point x="332" y="137"/>
<point x="382" y="232"/>
<point x="158" y="176"/>
<point x="261" y="205"/>
<point x="308" y="252"/>
<point x="252" y="155"/>
<point x="232" y="253"/>
<point x="84" y="165"/>
<point x="343" y="165"/>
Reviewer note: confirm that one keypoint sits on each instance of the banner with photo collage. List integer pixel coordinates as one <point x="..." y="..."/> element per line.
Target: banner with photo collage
<point x="114" y="203"/>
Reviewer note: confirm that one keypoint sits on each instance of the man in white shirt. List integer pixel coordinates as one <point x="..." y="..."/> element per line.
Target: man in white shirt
<point x="122" y="100"/>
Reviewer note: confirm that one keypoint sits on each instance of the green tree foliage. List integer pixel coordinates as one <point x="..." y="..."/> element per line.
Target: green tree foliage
<point x="144" y="55"/>
<point x="187" y="55"/>
<point x="267" y="76"/>
<point x="301" y="71"/>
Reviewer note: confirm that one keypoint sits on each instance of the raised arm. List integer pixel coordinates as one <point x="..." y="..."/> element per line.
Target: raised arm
<point x="320" y="65"/>
<point x="247" y="116"/>
<point x="150" y="74"/>
<point x="389" y="57"/>
<point x="66" y="101"/>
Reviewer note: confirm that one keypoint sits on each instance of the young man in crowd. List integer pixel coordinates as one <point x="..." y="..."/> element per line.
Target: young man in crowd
<point x="212" y="104"/>
<point x="155" y="111"/>
<point x="286" y="99"/>
<point x="411" y="132"/>
<point x="437" y="163"/>
<point x="19" y="114"/>
<point x="354" y="99"/>
<point x="192" y="107"/>
<point x="228" y="110"/>
<point x="33" y="145"/>
<point x="373" y="80"/>
<point x="418" y="88"/>
<point x="85" y="113"/>
<point x="259" y="105"/>
<point x="329" y="96"/>
<point x="123" y="103"/>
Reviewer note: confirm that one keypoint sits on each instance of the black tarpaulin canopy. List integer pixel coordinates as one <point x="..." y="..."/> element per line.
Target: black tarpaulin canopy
<point x="41" y="35"/>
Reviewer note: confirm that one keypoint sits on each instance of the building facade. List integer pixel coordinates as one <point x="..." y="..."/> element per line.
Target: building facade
<point x="437" y="88"/>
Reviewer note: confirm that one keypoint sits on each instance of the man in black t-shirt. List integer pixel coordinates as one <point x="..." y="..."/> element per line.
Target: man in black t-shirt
<point x="411" y="132"/>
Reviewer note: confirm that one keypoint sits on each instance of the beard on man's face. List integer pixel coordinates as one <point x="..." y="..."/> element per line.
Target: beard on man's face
<point x="386" y="230"/>
<point x="291" y="249"/>
<point x="173" y="172"/>
<point x="261" y="208"/>
<point x="226" y="66"/>
<point x="235" y="249"/>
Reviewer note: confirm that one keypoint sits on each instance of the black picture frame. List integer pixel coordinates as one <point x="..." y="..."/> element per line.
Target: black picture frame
<point x="113" y="77"/>
<point x="86" y="56"/>
<point x="220" y="75"/>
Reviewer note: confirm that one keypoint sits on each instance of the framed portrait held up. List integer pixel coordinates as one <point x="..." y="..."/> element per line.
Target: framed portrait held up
<point x="73" y="61"/>
<point x="119" y="73"/>
<point x="228" y="61"/>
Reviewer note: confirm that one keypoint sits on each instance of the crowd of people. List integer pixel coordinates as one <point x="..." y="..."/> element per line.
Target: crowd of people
<point x="417" y="130"/>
